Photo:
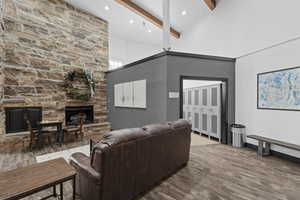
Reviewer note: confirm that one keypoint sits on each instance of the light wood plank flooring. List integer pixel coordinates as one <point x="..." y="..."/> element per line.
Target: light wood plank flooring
<point x="215" y="172"/>
<point x="198" y="140"/>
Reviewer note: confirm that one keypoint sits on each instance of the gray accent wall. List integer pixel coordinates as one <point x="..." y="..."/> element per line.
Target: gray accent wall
<point x="163" y="72"/>
<point x="155" y="72"/>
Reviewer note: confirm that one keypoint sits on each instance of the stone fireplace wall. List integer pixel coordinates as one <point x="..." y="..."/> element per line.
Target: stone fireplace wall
<point x="42" y="40"/>
<point x="2" y="116"/>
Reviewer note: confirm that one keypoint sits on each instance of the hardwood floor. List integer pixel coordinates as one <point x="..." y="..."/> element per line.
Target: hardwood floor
<point x="218" y="172"/>
<point x="198" y="140"/>
<point x="215" y="172"/>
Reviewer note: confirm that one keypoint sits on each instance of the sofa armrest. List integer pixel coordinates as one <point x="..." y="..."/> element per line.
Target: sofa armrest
<point x="82" y="165"/>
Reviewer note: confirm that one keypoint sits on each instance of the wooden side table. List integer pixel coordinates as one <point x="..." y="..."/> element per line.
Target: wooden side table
<point x="22" y="182"/>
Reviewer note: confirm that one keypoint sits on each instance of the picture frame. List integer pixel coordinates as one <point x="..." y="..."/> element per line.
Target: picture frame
<point x="279" y="90"/>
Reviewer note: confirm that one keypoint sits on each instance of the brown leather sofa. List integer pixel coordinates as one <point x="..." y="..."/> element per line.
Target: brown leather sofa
<point x="129" y="162"/>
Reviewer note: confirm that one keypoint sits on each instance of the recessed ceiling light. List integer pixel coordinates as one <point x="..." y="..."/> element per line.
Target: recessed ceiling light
<point x="131" y="21"/>
<point x="106" y="7"/>
<point x="183" y="12"/>
<point x="149" y="31"/>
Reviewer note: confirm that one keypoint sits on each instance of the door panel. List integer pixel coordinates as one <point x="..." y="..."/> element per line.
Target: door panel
<point x="204" y="96"/>
<point x="210" y="110"/>
<point x="203" y="110"/>
<point x="190" y="97"/>
<point x="214" y="96"/>
<point x="196" y="97"/>
<point x="204" y="123"/>
<point x="185" y="104"/>
<point x="214" y="103"/>
<point x="189" y="116"/>
<point x="196" y="121"/>
<point x="188" y="106"/>
<point x="214" y="124"/>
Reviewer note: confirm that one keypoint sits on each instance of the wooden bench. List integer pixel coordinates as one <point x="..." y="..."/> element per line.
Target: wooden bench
<point x="264" y="150"/>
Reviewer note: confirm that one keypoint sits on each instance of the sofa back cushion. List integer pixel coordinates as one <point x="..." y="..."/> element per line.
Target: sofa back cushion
<point x="182" y="141"/>
<point x="161" y="137"/>
<point x="118" y="162"/>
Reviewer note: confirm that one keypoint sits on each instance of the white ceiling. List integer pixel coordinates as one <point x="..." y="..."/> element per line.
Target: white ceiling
<point x="119" y="17"/>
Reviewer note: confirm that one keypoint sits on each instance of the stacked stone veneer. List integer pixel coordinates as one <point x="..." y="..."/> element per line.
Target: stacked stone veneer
<point x="40" y="41"/>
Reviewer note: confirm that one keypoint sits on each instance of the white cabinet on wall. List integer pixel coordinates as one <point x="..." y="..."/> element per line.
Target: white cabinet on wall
<point x="131" y="94"/>
<point x="139" y="94"/>
<point x="118" y="94"/>
<point x="128" y="94"/>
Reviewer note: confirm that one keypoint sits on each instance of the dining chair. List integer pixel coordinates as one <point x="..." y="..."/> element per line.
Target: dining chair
<point x="76" y="130"/>
<point x="33" y="137"/>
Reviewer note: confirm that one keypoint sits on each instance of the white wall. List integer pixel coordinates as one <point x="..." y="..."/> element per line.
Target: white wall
<point x="237" y="27"/>
<point x="281" y="125"/>
<point x="129" y="51"/>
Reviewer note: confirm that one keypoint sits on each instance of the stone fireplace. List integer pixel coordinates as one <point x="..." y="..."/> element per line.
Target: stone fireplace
<point x="40" y="42"/>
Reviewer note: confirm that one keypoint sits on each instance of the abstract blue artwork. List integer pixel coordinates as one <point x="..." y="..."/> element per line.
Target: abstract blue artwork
<point x="279" y="90"/>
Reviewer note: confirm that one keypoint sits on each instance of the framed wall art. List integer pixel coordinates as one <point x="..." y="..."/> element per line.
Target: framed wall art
<point x="279" y="90"/>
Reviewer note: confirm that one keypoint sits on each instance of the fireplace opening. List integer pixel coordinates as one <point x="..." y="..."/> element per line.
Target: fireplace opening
<point x="74" y="112"/>
<point x="15" y="118"/>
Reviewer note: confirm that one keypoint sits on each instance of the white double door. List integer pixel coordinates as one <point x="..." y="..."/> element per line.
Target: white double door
<point x="203" y="109"/>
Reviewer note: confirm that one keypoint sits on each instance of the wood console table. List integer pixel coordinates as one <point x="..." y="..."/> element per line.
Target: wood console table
<point x="22" y="182"/>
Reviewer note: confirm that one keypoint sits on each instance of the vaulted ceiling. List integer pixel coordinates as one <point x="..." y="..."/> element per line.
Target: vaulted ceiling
<point x="131" y="26"/>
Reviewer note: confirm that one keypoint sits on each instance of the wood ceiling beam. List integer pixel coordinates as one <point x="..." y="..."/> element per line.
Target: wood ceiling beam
<point x="148" y="16"/>
<point x="211" y="4"/>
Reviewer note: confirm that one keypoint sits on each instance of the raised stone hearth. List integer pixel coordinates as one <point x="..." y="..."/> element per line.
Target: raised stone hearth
<point x="40" y="41"/>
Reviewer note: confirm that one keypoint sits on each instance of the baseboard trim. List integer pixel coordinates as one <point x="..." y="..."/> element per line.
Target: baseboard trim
<point x="277" y="154"/>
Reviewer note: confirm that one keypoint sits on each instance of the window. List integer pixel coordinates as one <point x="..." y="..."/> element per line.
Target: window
<point x="114" y="64"/>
